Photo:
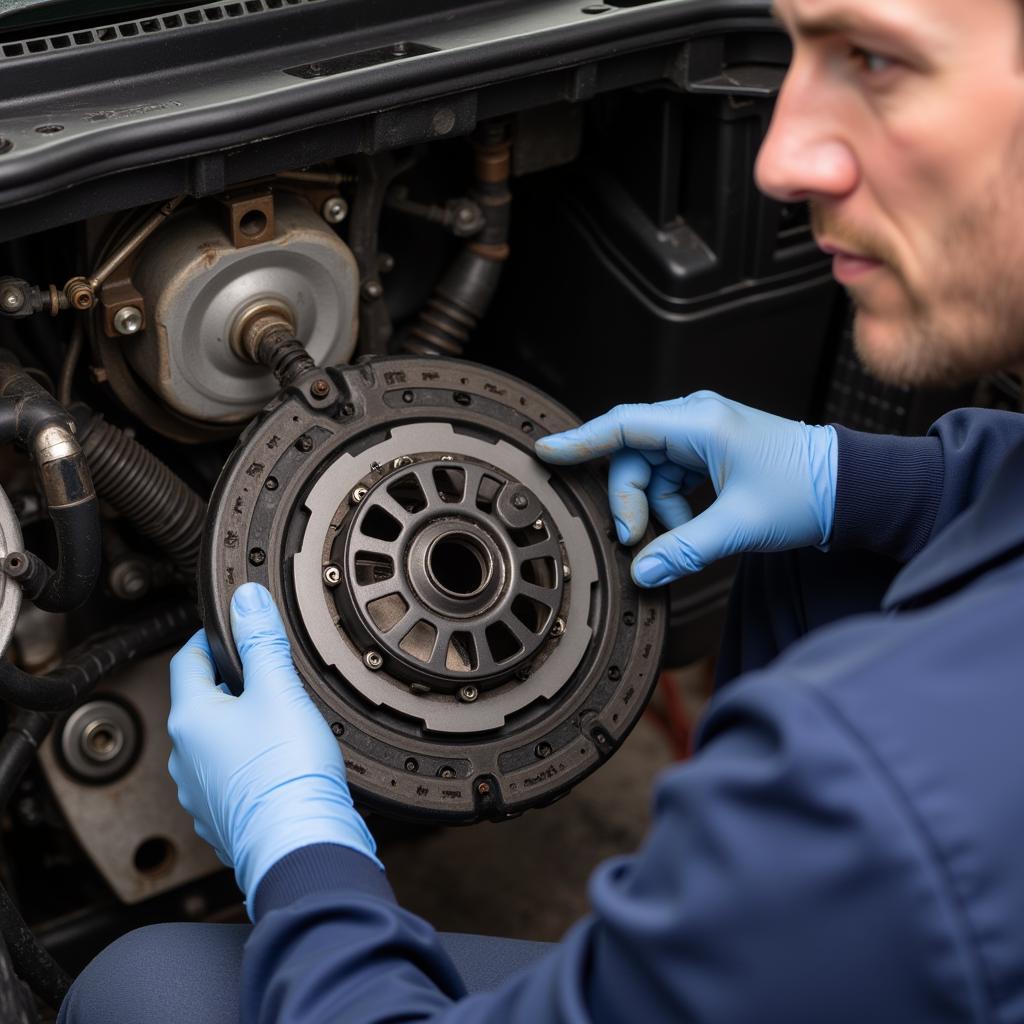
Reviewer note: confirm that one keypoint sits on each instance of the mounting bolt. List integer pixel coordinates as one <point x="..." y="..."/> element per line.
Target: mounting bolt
<point x="538" y="524"/>
<point x="332" y="575"/>
<point x="411" y="764"/>
<point x="520" y="500"/>
<point x="304" y="443"/>
<point x="11" y="299"/>
<point x="358" y="494"/>
<point x="257" y="556"/>
<point x="371" y="291"/>
<point x="542" y="750"/>
<point x="447" y="773"/>
<point x="320" y="388"/>
<point x="402" y="460"/>
<point x="469" y="694"/>
<point x="483" y="788"/>
<point x="447" y="458"/>
<point x="558" y="629"/>
<point x="566" y="572"/>
<point x="334" y="210"/>
<point x="337" y="728"/>
<point x="373" y="660"/>
<point x="128" y="320"/>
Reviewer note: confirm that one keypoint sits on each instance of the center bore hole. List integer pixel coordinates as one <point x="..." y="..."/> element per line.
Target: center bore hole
<point x="459" y="565"/>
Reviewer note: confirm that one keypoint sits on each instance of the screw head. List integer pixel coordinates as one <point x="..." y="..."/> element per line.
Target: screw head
<point x="411" y="764"/>
<point x="447" y="773"/>
<point x="337" y="728"/>
<point x="358" y="494"/>
<point x="538" y="524"/>
<point x="483" y="788"/>
<point x="371" y="290"/>
<point x="402" y="460"/>
<point x="566" y="572"/>
<point x="257" y="556"/>
<point x="558" y="629"/>
<point x="542" y="750"/>
<point x="520" y="500"/>
<point x="332" y="575"/>
<point x="128" y="320"/>
<point x="373" y="660"/>
<point x="469" y="694"/>
<point x="447" y="458"/>
<point x="12" y="299"/>
<point x="334" y="210"/>
<point x="304" y="443"/>
<point x="320" y="388"/>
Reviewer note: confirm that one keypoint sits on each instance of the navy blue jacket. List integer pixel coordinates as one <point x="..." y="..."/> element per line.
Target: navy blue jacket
<point x="847" y="845"/>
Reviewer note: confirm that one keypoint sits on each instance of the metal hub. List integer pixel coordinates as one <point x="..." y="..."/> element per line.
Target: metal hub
<point x="446" y="575"/>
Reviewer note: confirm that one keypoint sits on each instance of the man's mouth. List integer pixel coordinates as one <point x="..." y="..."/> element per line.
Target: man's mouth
<point x="848" y="267"/>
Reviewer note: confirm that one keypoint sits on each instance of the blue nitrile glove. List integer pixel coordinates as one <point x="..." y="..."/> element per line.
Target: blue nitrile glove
<point x="775" y="479"/>
<point x="261" y="773"/>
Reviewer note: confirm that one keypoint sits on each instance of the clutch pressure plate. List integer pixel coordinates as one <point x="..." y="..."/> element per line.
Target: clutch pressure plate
<point x="458" y="610"/>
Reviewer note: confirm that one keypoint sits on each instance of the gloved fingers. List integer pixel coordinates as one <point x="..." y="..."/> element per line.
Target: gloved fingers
<point x="628" y="476"/>
<point x="718" y="531"/>
<point x="665" y="495"/>
<point x="261" y="641"/>
<point x="208" y="837"/>
<point x="648" y="428"/>
<point x="193" y="674"/>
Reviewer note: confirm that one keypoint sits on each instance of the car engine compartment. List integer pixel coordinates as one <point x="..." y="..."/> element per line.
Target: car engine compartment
<point x="293" y="305"/>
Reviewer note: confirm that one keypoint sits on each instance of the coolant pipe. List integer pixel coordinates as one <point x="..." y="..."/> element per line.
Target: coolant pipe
<point x="33" y="419"/>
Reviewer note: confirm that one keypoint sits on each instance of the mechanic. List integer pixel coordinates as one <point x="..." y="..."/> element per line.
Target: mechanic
<point x="848" y="842"/>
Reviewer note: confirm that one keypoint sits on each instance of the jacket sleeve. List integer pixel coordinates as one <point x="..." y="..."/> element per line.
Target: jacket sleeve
<point x="894" y="493"/>
<point x="783" y="880"/>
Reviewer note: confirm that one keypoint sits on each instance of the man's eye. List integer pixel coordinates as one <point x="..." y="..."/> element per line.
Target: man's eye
<point x="872" y="63"/>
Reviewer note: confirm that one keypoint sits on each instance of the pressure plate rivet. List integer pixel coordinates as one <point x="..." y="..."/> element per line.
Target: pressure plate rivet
<point x="373" y="660"/>
<point x="520" y="500"/>
<point x="566" y="572"/>
<point x="320" y="388"/>
<point x="558" y="628"/>
<point x="539" y="524"/>
<point x="257" y="556"/>
<point x="469" y="694"/>
<point x="447" y="458"/>
<point x="402" y="460"/>
<point x="332" y="575"/>
<point x="358" y="494"/>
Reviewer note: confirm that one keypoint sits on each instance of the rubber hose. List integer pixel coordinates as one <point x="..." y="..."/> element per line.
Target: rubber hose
<point x="160" y="505"/>
<point x="61" y="689"/>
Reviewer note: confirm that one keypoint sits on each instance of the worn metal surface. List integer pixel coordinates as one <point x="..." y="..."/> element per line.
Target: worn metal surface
<point x="136" y="819"/>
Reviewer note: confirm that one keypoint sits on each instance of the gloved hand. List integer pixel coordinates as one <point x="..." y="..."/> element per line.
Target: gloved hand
<point x="775" y="479"/>
<point x="261" y="773"/>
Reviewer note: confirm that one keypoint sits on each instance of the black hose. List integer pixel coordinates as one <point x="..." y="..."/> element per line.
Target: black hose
<point x="82" y="668"/>
<point x="85" y="665"/>
<point x="143" y="489"/>
<point x="445" y="324"/>
<point x="32" y="418"/>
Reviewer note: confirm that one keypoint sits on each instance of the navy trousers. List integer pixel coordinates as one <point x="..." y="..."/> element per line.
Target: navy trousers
<point x="191" y="972"/>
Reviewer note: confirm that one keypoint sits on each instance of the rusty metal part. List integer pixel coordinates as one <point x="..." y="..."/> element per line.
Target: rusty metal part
<point x="249" y="217"/>
<point x="115" y="295"/>
<point x="80" y="294"/>
<point x="115" y="822"/>
<point x="253" y="323"/>
<point x="132" y="244"/>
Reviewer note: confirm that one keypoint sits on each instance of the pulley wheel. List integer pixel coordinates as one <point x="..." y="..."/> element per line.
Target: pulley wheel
<point x="459" y="611"/>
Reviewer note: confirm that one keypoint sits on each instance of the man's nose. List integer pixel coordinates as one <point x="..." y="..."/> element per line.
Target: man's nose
<point x="804" y="156"/>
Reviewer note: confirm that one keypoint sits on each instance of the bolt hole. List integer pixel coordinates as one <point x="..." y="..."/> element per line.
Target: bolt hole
<point x="50" y="129"/>
<point x="154" y="856"/>
<point x="253" y="223"/>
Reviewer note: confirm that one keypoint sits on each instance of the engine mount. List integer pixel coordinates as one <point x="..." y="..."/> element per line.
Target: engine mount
<point x="459" y="611"/>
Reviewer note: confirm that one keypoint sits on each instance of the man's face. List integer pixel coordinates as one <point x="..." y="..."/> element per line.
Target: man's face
<point x="902" y="122"/>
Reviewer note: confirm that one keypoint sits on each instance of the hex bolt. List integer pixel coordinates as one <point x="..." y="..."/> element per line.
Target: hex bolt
<point x="447" y="773"/>
<point x="257" y="556"/>
<point x="371" y="290"/>
<point x="332" y="575"/>
<point x="12" y="299"/>
<point x="558" y="629"/>
<point x="320" y="388"/>
<point x="358" y="494"/>
<point x="542" y="750"/>
<point x="304" y="443"/>
<point x="373" y="660"/>
<point x="271" y="484"/>
<point x="520" y="500"/>
<point x="538" y="524"/>
<point x="483" y="788"/>
<point x="469" y="694"/>
<point x="615" y="673"/>
<point x="411" y="764"/>
<point x="334" y="210"/>
<point x="337" y="728"/>
<point x="128" y="320"/>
